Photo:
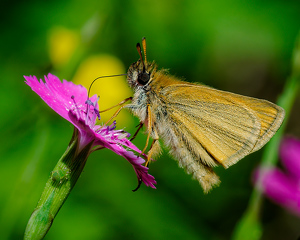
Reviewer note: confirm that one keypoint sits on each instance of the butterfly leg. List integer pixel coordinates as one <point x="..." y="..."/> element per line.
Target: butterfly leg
<point x="154" y="148"/>
<point x="114" y="115"/>
<point x="154" y="145"/>
<point x="146" y="145"/>
<point x="137" y="131"/>
<point x="118" y="111"/>
<point x="120" y="103"/>
<point x="149" y="127"/>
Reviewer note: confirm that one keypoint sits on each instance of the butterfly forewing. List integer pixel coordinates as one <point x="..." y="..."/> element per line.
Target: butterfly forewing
<point x="227" y="129"/>
<point x="270" y="116"/>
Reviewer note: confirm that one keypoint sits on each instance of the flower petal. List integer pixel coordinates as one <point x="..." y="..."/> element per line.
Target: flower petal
<point x="140" y="170"/>
<point x="136" y="162"/>
<point x="280" y="188"/>
<point x="290" y="156"/>
<point x="58" y="95"/>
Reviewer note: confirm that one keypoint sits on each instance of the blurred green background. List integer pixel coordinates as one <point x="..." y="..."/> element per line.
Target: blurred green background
<point x="239" y="46"/>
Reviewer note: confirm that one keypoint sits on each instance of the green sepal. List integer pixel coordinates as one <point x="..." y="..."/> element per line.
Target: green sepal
<point x="58" y="187"/>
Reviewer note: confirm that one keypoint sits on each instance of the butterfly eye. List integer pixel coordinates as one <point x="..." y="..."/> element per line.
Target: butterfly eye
<point x="143" y="78"/>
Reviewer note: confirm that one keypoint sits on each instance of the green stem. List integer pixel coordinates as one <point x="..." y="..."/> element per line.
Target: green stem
<point x="57" y="189"/>
<point x="249" y="226"/>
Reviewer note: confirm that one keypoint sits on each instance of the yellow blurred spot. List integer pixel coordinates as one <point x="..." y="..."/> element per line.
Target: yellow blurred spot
<point x="111" y="90"/>
<point x="62" y="44"/>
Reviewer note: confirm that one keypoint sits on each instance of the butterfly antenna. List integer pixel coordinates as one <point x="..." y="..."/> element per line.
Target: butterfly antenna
<point x="144" y="48"/>
<point x="138" y="47"/>
<point x="124" y="74"/>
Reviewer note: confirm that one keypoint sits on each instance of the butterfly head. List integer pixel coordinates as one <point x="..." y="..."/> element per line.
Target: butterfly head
<point x="141" y="72"/>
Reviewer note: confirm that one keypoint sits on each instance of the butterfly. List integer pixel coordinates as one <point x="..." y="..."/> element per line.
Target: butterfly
<point x="202" y="126"/>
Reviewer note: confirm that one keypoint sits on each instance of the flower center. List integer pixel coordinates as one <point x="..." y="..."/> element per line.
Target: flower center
<point x="88" y="115"/>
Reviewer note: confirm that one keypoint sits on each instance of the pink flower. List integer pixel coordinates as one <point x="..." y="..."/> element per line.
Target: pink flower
<point x="283" y="187"/>
<point x="71" y="102"/>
